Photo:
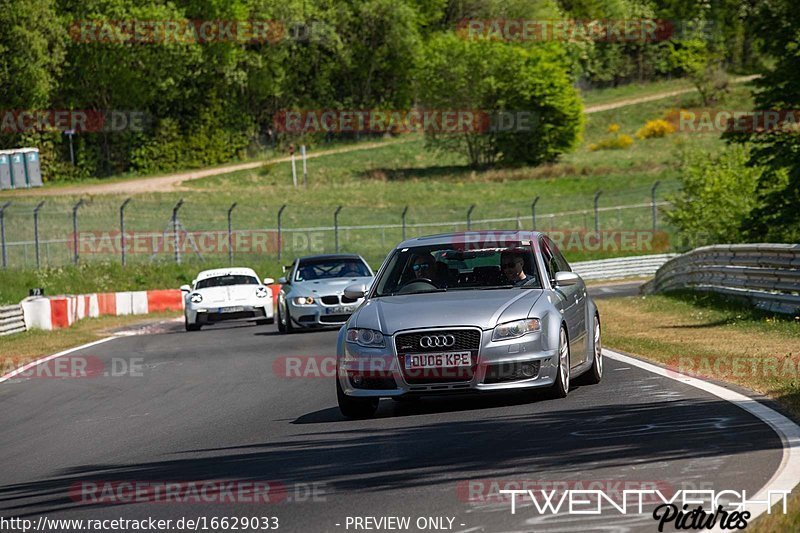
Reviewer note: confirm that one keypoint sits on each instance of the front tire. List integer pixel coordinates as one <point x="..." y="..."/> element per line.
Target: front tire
<point x="355" y="407"/>
<point x="189" y="326"/>
<point x="281" y="325"/>
<point x="595" y="374"/>
<point x="560" y="388"/>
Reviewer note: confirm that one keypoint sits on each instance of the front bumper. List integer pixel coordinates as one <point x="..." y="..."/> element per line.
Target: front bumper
<point x="514" y="364"/>
<point x="214" y="314"/>
<point x="319" y="315"/>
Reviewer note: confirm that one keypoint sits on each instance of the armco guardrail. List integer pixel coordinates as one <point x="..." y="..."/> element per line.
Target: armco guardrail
<point x="768" y="275"/>
<point x="621" y="267"/>
<point x="12" y="320"/>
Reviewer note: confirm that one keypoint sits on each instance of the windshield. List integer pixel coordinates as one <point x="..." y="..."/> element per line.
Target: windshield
<point x="222" y="281"/>
<point x="331" y="268"/>
<point x="446" y="267"/>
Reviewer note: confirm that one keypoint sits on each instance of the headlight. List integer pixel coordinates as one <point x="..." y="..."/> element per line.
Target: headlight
<point x="518" y="328"/>
<point x="196" y="298"/>
<point x="366" y="337"/>
<point x="303" y="300"/>
<point x="261" y="292"/>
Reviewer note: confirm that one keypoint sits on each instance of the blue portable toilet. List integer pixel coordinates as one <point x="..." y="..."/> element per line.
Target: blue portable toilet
<point x="33" y="169"/>
<point x="5" y="170"/>
<point x="19" y="179"/>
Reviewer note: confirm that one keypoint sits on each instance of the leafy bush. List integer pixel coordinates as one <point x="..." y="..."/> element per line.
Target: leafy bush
<point x="717" y="195"/>
<point x="618" y="142"/>
<point x="655" y="128"/>
<point x="494" y="77"/>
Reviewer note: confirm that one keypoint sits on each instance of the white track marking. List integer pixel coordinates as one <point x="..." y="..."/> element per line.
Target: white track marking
<point x="788" y="474"/>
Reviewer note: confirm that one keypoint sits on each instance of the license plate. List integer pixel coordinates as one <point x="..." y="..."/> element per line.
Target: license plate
<point x="230" y="309"/>
<point x="340" y="310"/>
<point x="437" y="360"/>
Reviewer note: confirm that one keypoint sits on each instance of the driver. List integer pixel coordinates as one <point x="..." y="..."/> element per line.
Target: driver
<point x="422" y="266"/>
<point x="513" y="265"/>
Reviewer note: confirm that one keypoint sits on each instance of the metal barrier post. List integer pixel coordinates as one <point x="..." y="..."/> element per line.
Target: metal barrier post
<point x="403" y="217"/>
<point x="122" y="228"/>
<point x="36" y="231"/>
<point x="230" y="235"/>
<point x="280" y="237"/>
<point x="597" y="212"/>
<point x="175" y="230"/>
<point x="336" y="228"/>
<point x="533" y="212"/>
<point x="3" y="232"/>
<point x="653" y="204"/>
<point x="75" y="239"/>
<point x="469" y="217"/>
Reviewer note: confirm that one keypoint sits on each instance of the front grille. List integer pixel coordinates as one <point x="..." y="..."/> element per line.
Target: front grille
<point x="330" y="300"/>
<point x="333" y="319"/>
<point x="515" y="371"/>
<point x="465" y="340"/>
<point x="346" y="300"/>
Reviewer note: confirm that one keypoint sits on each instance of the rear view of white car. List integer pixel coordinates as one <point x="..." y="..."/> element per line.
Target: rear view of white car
<point x="227" y="294"/>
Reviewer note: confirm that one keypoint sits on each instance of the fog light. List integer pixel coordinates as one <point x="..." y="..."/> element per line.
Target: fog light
<point x="357" y="380"/>
<point x="528" y="370"/>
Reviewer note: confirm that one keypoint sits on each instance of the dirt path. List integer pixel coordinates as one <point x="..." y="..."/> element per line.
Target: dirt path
<point x="172" y="182"/>
<point x="658" y="96"/>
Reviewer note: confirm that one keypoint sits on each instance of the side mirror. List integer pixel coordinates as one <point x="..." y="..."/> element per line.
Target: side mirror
<point x="194" y="282"/>
<point x="282" y="280"/>
<point x="565" y="279"/>
<point x="268" y="281"/>
<point x="355" y="291"/>
<point x="185" y="288"/>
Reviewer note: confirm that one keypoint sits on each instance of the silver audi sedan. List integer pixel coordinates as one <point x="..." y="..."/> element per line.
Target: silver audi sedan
<point x="468" y="312"/>
<point x="312" y="291"/>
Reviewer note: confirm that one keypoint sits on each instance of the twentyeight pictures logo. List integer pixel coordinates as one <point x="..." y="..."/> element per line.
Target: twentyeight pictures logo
<point x="684" y="509"/>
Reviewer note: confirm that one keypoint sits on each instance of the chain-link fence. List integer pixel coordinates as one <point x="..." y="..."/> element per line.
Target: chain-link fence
<point x="57" y="232"/>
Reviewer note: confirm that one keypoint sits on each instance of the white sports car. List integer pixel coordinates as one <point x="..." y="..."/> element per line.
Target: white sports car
<point x="227" y="294"/>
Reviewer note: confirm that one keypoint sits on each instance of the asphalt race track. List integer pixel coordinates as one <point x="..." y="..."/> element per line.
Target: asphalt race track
<point x="214" y="405"/>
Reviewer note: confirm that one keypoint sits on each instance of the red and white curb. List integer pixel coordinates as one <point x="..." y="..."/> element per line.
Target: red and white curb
<point x="787" y="476"/>
<point x="55" y="312"/>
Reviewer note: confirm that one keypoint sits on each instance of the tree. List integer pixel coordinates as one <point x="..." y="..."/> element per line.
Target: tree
<point x="777" y="217"/>
<point x="495" y="77"/>
<point x="32" y="51"/>
<point x="716" y="197"/>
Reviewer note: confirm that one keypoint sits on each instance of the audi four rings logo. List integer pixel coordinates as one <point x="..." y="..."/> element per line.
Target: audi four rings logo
<point x="437" y="341"/>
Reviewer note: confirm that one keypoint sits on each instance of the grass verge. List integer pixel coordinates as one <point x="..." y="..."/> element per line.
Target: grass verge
<point x="714" y="338"/>
<point x="21" y="348"/>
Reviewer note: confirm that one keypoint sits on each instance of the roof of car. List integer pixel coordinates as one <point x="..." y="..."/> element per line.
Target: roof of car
<point x="471" y="236"/>
<point x="233" y="271"/>
<point x="323" y="257"/>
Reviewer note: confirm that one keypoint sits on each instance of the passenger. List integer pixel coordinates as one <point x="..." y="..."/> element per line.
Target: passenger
<point x="513" y="265"/>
